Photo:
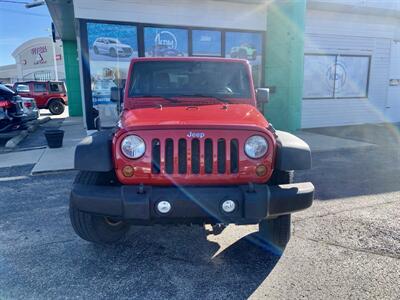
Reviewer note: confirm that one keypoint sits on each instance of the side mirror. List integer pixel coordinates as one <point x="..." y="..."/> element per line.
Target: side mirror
<point x="116" y="94"/>
<point x="262" y="95"/>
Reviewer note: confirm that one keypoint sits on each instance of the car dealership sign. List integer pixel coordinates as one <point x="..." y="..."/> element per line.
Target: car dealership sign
<point x="38" y="56"/>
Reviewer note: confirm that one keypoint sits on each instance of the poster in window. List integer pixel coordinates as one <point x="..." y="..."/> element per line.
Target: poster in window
<point x="163" y="42"/>
<point x="246" y="45"/>
<point x="112" y="42"/>
<point x="111" y="47"/>
<point x="319" y="76"/>
<point x="206" y="42"/>
<point x="351" y="76"/>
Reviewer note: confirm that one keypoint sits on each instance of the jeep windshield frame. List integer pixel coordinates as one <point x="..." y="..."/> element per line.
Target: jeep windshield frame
<point x="222" y="80"/>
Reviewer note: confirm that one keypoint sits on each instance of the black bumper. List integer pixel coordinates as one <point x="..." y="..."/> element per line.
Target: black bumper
<point x="193" y="204"/>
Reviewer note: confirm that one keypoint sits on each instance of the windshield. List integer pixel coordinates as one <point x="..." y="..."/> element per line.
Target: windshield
<point x="190" y="78"/>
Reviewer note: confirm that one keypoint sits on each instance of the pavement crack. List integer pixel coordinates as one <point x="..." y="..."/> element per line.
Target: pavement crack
<point x="346" y="247"/>
<point x="56" y="242"/>
<point x="343" y="211"/>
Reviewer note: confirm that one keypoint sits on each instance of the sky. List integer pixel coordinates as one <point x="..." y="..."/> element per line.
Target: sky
<point x="19" y="24"/>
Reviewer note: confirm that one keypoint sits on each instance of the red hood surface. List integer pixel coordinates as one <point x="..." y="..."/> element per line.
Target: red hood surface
<point x="217" y="115"/>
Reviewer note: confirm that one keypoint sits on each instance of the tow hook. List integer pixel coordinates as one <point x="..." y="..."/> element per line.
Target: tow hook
<point x="217" y="229"/>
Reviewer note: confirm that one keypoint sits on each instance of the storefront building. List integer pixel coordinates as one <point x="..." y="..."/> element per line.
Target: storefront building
<point x="35" y="59"/>
<point x="324" y="66"/>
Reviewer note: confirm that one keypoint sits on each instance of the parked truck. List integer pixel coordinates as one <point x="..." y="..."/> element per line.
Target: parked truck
<point x="191" y="147"/>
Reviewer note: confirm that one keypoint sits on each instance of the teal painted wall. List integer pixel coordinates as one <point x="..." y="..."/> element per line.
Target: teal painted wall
<point x="72" y="78"/>
<point x="284" y="63"/>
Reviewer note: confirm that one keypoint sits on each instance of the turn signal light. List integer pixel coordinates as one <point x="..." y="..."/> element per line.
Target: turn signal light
<point x="128" y="171"/>
<point x="261" y="170"/>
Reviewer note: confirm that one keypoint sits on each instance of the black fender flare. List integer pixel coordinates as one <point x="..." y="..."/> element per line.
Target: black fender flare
<point x="94" y="152"/>
<point x="292" y="153"/>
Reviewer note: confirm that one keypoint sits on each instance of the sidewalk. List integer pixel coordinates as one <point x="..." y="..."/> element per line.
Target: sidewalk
<point x="321" y="142"/>
<point x="62" y="159"/>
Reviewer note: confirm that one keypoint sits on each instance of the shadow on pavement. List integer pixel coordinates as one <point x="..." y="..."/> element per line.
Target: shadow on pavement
<point x="359" y="171"/>
<point x="176" y="262"/>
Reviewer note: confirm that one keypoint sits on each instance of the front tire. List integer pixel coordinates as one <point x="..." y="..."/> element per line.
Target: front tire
<point x="95" y="228"/>
<point x="56" y="107"/>
<point x="276" y="232"/>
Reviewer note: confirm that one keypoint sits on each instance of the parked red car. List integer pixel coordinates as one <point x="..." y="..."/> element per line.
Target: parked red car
<point x="51" y="95"/>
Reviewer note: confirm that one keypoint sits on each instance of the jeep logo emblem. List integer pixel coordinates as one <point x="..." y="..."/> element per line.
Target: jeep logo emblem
<point x="198" y="135"/>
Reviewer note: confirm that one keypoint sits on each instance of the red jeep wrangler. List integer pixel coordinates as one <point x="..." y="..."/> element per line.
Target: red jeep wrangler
<point x="47" y="94"/>
<point x="191" y="147"/>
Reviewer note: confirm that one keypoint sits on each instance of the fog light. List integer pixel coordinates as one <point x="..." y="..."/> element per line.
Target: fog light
<point x="164" y="207"/>
<point x="128" y="171"/>
<point x="261" y="170"/>
<point x="228" y="206"/>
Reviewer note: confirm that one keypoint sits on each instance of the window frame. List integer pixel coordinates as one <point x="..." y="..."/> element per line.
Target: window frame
<point x="84" y="47"/>
<point x="336" y="55"/>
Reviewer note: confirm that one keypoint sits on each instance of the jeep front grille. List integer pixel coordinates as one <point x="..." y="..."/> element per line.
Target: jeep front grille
<point x="195" y="156"/>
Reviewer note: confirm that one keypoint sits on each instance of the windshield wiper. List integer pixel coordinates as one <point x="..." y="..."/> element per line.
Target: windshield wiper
<point x="220" y="99"/>
<point x="172" y="100"/>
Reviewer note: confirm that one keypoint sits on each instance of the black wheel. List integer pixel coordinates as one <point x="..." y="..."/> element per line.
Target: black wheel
<point x="56" y="107"/>
<point x="281" y="177"/>
<point x="113" y="52"/>
<point x="96" y="50"/>
<point x="275" y="231"/>
<point x="94" y="228"/>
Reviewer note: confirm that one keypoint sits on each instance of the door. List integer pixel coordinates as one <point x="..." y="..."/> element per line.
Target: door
<point x="40" y="93"/>
<point x="393" y="96"/>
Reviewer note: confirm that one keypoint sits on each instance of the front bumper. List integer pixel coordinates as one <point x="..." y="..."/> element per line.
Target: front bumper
<point x="193" y="204"/>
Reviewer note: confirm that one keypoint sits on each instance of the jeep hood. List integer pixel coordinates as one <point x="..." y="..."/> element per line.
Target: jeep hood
<point x="216" y="115"/>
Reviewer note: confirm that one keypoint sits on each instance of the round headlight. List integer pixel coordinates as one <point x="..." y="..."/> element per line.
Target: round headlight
<point x="256" y="146"/>
<point x="133" y="146"/>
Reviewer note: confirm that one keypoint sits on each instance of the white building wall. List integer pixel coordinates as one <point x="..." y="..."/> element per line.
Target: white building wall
<point x="341" y="33"/>
<point x="176" y="12"/>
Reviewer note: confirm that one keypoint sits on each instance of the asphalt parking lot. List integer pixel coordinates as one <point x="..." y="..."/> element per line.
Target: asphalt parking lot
<point x="346" y="246"/>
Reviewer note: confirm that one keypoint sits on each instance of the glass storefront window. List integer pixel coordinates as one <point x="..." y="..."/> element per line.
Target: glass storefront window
<point x="111" y="47"/>
<point x="162" y="42"/>
<point x="335" y="76"/>
<point x="246" y="45"/>
<point x="206" y="42"/>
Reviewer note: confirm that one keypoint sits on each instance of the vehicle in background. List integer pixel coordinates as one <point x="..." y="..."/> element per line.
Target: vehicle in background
<point x="11" y="110"/>
<point x="9" y="85"/>
<point x="111" y="47"/>
<point x="101" y="91"/>
<point x="51" y="95"/>
<point x="164" y="50"/>
<point x="244" y="51"/>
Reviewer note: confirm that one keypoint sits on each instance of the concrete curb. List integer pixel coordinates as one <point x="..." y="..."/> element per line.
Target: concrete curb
<point x="13" y="142"/>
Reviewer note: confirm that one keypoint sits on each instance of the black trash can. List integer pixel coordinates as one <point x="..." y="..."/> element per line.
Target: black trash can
<point x="54" y="137"/>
